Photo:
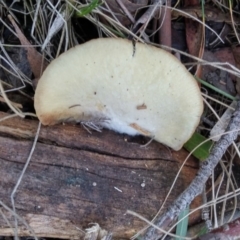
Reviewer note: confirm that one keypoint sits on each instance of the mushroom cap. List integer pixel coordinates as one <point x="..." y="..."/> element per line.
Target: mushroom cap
<point x="134" y="90"/>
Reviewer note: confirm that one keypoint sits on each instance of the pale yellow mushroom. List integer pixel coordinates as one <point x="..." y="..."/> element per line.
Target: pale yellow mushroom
<point x="107" y="82"/>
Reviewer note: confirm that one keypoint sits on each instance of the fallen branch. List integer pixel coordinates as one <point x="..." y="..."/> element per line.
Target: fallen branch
<point x="93" y="175"/>
<point x="196" y="187"/>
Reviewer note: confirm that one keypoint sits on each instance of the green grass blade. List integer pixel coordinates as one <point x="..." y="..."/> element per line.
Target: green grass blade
<point x="215" y="89"/>
<point x="182" y="226"/>
<point x="88" y="9"/>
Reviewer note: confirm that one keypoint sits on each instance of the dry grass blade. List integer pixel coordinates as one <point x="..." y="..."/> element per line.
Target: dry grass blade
<point x="12" y="106"/>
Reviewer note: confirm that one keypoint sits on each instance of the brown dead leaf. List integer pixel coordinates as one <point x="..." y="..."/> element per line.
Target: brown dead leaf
<point x="36" y="60"/>
<point x="131" y="6"/>
<point x="210" y="13"/>
<point x="195" y="36"/>
<point x="191" y="2"/>
<point x="195" y="41"/>
<point x="193" y="9"/>
<point x="218" y="77"/>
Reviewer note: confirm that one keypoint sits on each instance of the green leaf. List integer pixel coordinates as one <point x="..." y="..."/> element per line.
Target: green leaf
<point x="202" y="151"/>
<point x="88" y="9"/>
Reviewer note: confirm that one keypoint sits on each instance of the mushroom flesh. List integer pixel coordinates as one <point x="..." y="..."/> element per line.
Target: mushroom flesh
<point x="132" y="89"/>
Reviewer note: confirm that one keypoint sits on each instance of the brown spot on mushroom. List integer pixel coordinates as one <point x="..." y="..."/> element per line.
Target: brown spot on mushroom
<point x="75" y="105"/>
<point x="142" y="106"/>
<point x="140" y="129"/>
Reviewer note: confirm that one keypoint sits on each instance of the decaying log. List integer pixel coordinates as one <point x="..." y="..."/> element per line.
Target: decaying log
<point x="76" y="178"/>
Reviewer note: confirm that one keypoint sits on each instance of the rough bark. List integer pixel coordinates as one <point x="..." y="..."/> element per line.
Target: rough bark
<point x="76" y="178"/>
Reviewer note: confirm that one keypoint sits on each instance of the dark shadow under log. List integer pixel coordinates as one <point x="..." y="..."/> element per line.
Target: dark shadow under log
<point x="76" y="178"/>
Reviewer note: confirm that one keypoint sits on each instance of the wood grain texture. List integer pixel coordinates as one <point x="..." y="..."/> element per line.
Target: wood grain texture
<point x="76" y="178"/>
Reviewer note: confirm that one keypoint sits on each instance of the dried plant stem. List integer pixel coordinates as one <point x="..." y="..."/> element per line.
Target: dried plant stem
<point x="165" y="32"/>
<point x="149" y="14"/>
<point x="197" y="185"/>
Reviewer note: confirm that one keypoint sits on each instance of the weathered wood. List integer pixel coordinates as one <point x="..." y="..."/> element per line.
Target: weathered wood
<point x="76" y="178"/>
